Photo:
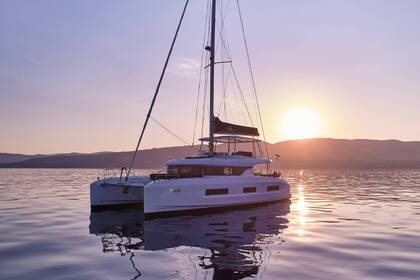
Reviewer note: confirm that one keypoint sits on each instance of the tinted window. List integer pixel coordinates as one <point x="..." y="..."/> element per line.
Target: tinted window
<point x="216" y="170"/>
<point x="272" y="188"/>
<point x="173" y="170"/>
<point x="198" y="171"/>
<point x="227" y="171"/>
<point x="249" y="189"/>
<point x="216" y="191"/>
<point x="238" y="170"/>
<point x="185" y="171"/>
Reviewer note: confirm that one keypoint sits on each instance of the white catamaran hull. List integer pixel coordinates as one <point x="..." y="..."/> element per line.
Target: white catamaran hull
<point x="171" y="196"/>
<point x="113" y="192"/>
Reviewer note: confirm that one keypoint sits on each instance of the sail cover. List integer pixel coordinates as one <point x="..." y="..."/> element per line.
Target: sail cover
<point x="229" y="128"/>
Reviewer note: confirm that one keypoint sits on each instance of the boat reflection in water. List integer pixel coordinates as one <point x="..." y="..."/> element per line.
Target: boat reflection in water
<point x="235" y="239"/>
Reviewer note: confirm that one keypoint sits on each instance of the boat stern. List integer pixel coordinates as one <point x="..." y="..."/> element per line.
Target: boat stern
<point x="110" y="192"/>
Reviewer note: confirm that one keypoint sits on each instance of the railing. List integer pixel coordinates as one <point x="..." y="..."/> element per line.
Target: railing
<point x="160" y="176"/>
<point x="122" y="171"/>
<point x="274" y="174"/>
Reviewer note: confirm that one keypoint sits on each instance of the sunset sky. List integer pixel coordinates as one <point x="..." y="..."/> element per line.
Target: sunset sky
<point x="78" y="76"/>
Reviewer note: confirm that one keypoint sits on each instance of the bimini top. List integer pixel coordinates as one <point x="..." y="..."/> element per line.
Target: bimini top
<point x="219" y="160"/>
<point x="230" y="139"/>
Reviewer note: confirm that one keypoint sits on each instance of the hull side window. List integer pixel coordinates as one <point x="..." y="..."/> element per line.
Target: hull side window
<point x="216" y="191"/>
<point x="249" y="189"/>
<point x="272" y="188"/>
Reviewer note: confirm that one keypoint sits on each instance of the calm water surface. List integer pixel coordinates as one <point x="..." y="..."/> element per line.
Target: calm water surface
<point x="339" y="225"/>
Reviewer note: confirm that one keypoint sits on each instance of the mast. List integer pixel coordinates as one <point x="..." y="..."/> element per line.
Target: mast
<point x="211" y="48"/>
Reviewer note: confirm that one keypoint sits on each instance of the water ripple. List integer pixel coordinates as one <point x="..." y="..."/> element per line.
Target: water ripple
<point x="340" y="224"/>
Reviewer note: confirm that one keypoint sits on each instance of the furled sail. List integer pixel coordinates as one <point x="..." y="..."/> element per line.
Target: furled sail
<point x="229" y="128"/>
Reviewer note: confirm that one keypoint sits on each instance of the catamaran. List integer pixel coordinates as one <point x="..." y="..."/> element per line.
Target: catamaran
<point x="219" y="176"/>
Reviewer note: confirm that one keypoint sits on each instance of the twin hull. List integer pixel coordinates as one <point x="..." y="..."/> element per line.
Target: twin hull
<point x="190" y="193"/>
<point x="111" y="192"/>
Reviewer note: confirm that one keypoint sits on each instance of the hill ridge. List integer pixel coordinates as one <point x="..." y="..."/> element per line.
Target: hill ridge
<point x="303" y="153"/>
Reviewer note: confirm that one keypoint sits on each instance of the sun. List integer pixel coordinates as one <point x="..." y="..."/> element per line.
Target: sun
<point x="300" y="123"/>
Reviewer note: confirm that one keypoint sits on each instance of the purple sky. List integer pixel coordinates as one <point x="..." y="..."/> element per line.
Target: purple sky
<point x="79" y="75"/>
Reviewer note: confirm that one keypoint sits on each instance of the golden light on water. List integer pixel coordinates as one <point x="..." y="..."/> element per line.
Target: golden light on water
<point x="302" y="210"/>
<point x="300" y="123"/>
<point x="301" y="203"/>
<point x="301" y="206"/>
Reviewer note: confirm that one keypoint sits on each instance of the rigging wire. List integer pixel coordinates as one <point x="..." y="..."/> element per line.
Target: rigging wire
<point x="241" y="115"/>
<point x="204" y="103"/>
<point x="222" y="58"/>
<point x="201" y="72"/>
<point x="252" y="76"/>
<point x="157" y="90"/>
<point x="225" y="46"/>
<point x="229" y="56"/>
<point x="169" y="131"/>
<point x="225" y="78"/>
<point x="206" y="76"/>
<point x="224" y="97"/>
<point x="242" y="95"/>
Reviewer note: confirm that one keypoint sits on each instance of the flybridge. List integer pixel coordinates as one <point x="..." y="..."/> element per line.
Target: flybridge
<point x="220" y="160"/>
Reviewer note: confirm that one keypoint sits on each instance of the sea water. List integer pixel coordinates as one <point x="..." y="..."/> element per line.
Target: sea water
<point x="339" y="224"/>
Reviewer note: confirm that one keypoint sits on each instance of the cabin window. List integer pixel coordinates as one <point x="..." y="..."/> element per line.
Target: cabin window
<point x="238" y="170"/>
<point x="189" y="171"/>
<point x="249" y="189"/>
<point x="173" y="170"/>
<point x="224" y="170"/>
<point x="217" y="191"/>
<point x="272" y="188"/>
<point x="186" y="171"/>
<point x="214" y="171"/>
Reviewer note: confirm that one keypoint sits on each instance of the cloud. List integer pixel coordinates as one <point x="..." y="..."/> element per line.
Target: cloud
<point x="185" y="67"/>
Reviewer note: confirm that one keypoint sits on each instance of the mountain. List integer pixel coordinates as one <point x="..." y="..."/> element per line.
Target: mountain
<point x="151" y="158"/>
<point x="307" y="153"/>
<point x="8" y="157"/>
<point x="343" y="153"/>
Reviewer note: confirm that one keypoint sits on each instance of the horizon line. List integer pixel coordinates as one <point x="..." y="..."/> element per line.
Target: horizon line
<point x="177" y="146"/>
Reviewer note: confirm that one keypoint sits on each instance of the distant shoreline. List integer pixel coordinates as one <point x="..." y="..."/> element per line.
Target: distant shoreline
<point x="320" y="153"/>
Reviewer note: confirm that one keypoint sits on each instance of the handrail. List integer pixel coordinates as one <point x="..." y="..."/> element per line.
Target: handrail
<point x="122" y="170"/>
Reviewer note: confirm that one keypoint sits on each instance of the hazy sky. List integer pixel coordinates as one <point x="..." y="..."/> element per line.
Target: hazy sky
<point x="79" y="75"/>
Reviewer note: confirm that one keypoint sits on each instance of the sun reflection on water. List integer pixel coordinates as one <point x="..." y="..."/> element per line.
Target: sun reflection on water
<point x="302" y="210"/>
